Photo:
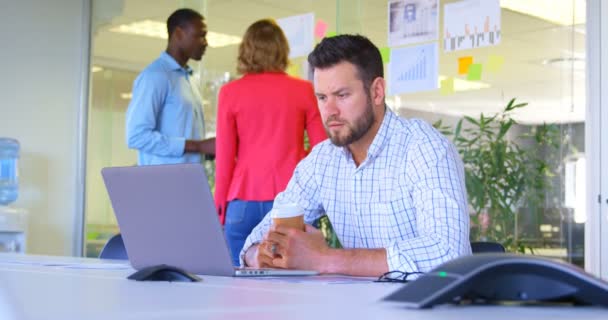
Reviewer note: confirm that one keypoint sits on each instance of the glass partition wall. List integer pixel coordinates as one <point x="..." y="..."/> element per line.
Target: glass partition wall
<point x="526" y="183"/>
<point x="126" y="36"/>
<point x="526" y="188"/>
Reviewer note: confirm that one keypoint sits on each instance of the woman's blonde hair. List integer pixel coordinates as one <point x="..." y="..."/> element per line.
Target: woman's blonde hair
<point x="264" y="48"/>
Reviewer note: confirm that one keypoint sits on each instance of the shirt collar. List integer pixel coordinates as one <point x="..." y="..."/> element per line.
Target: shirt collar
<point x="382" y="135"/>
<point x="380" y="138"/>
<point x="172" y="64"/>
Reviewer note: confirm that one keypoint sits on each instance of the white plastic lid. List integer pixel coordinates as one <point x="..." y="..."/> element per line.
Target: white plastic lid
<point x="286" y="210"/>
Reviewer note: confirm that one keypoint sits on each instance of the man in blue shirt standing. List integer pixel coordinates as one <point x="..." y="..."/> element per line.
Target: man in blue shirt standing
<point x="165" y="117"/>
<point x="392" y="188"/>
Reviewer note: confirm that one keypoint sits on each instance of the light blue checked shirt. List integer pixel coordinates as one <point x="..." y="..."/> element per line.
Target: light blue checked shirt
<point x="165" y="111"/>
<point x="408" y="196"/>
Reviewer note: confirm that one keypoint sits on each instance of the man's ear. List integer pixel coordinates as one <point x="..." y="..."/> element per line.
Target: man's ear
<point x="178" y="33"/>
<point x="377" y="91"/>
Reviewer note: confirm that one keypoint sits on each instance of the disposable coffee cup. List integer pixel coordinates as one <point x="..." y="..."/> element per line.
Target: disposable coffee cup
<point x="289" y="215"/>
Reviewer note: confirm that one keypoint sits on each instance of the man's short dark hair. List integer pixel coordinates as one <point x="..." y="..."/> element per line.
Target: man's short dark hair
<point x="356" y="49"/>
<point x="180" y="18"/>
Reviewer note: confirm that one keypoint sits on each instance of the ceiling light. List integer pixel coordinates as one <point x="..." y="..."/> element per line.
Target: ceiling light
<point x="126" y="95"/>
<point x="573" y="63"/>
<point x="96" y="69"/>
<point x="217" y="40"/>
<point x="157" y="29"/>
<point x="563" y="12"/>
<point x="465" y="85"/>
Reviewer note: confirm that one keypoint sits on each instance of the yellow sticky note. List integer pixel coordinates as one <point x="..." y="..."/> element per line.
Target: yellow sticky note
<point x="294" y="70"/>
<point x="330" y="34"/>
<point x="463" y="64"/>
<point x="386" y="54"/>
<point x="447" y="86"/>
<point x="494" y="63"/>
<point x="474" y="72"/>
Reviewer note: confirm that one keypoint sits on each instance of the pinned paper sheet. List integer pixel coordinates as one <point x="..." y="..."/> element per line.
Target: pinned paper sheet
<point x="447" y="86"/>
<point x="330" y="34"/>
<point x="494" y="63"/>
<point x="386" y="54"/>
<point x="463" y="64"/>
<point x="412" y="21"/>
<point x="474" y="72"/>
<point x="299" y="33"/>
<point x="471" y="24"/>
<point x="413" y="69"/>
<point x="320" y="29"/>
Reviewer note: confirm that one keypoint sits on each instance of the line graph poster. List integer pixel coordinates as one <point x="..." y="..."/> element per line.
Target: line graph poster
<point x="299" y="31"/>
<point x="471" y="24"/>
<point x="413" y="69"/>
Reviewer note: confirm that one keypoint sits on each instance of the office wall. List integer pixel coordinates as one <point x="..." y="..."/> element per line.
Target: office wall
<point x="44" y="50"/>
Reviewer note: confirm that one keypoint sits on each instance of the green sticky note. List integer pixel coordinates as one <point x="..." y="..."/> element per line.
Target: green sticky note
<point x="494" y="63"/>
<point x="92" y="235"/>
<point x="386" y="54"/>
<point x="446" y="86"/>
<point x="474" y="72"/>
<point x="330" y="34"/>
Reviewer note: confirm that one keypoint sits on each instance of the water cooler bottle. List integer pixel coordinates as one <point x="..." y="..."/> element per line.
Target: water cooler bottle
<point x="13" y="223"/>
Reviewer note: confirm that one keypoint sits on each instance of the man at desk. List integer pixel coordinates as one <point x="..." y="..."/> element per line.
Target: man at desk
<point x="392" y="188"/>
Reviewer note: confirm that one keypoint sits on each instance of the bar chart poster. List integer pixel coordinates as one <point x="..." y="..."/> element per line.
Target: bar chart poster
<point x="413" y="69"/>
<point x="471" y="24"/>
<point x="412" y="21"/>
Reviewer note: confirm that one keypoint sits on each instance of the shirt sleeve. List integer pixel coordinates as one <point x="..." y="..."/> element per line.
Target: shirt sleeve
<point x="225" y="154"/>
<point x="436" y="174"/>
<point x="314" y="124"/>
<point x="142" y="133"/>
<point x="302" y="189"/>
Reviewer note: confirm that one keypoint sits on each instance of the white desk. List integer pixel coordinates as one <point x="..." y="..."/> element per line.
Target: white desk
<point x="30" y="290"/>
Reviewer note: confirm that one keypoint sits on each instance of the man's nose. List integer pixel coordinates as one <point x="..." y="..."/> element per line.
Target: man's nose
<point x="330" y="108"/>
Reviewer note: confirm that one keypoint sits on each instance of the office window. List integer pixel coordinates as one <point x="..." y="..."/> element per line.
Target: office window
<point x="539" y="60"/>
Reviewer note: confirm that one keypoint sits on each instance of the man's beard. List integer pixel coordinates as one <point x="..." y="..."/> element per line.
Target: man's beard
<point x="355" y="131"/>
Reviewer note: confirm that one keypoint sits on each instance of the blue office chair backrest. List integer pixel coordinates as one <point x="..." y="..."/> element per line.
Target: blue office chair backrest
<point x="486" y="246"/>
<point x="114" y="249"/>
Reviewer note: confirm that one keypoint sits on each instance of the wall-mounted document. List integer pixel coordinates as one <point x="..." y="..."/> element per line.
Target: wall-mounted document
<point x="471" y="24"/>
<point x="412" y="21"/>
<point x="299" y="31"/>
<point x="413" y="69"/>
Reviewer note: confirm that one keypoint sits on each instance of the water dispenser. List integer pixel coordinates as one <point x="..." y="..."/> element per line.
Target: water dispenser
<point x="13" y="223"/>
<point x="12" y="220"/>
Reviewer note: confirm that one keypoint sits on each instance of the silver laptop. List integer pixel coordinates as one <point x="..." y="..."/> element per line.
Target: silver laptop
<point x="167" y="215"/>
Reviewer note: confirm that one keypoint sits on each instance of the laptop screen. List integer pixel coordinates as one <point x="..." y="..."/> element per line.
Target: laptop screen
<point x="166" y="215"/>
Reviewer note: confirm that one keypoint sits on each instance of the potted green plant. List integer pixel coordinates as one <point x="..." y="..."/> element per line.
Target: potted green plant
<point x="501" y="175"/>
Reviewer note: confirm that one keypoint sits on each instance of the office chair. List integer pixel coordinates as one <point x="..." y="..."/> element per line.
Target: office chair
<point x="114" y="249"/>
<point x="486" y="246"/>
